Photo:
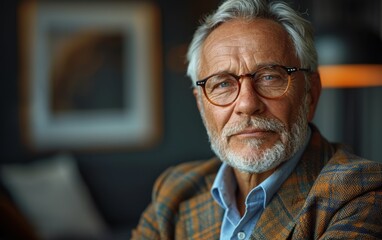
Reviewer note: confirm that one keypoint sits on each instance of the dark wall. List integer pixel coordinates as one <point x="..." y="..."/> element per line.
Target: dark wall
<point x="10" y="145"/>
<point x="120" y="180"/>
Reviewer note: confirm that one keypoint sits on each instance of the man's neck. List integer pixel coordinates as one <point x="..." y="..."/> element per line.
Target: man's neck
<point x="245" y="183"/>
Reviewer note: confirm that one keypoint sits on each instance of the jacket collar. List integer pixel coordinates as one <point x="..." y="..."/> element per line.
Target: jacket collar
<point x="279" y="217"/>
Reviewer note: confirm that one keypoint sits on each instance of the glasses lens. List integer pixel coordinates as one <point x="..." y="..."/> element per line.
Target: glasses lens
<point x="222" y="89"/>
<point x="271" y="81"/>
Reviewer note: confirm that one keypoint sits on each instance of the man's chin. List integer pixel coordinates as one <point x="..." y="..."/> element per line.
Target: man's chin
<point x="251" y="159"/>
<point x="254" y="166"/>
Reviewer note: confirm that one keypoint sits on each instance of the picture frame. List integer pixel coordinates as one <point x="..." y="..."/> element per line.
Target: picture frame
<point x="90" y="75"/>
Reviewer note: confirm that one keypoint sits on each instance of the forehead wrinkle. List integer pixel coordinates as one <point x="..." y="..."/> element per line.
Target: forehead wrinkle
<point x="227" y="50"/>
<point x="236" y="59"/>
<point x="246" y="61"/>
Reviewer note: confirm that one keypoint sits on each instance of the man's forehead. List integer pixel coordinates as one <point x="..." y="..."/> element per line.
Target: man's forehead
<point x="238" y="41"/>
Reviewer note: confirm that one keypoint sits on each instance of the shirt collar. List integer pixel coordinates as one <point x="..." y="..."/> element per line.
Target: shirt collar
<point x="224" y="185"/>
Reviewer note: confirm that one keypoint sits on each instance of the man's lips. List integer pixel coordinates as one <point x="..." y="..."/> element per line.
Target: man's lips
<point x="252" y="133"/>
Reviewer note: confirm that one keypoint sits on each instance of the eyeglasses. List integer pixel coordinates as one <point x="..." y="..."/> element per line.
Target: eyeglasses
<point x="270" y="82"/>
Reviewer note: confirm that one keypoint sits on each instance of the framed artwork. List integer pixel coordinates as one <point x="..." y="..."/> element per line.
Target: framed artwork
<point x="90" y="75"/>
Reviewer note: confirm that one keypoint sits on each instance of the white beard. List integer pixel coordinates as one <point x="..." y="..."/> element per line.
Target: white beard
<point x="288" y="144"/>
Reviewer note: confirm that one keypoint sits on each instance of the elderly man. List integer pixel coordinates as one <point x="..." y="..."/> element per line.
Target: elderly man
<point x="254" y="69"/>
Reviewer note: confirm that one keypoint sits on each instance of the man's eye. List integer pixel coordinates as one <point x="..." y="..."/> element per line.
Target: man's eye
<point x="268" y="77"/>
<point x="221" y="82"/>
<point x="224" y="84"/>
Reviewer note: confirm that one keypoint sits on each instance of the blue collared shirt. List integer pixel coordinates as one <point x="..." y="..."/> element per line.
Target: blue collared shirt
<point x="224" y="188"/>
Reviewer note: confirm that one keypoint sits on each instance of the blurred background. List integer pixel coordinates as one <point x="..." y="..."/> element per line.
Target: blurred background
<point x="81" y="185"/>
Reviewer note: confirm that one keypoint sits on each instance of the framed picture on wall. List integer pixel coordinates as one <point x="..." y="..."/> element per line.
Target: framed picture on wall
<point x="90" y="75"/>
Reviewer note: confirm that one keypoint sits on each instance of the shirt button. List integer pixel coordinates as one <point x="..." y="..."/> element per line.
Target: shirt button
<point x="241" y="235"/>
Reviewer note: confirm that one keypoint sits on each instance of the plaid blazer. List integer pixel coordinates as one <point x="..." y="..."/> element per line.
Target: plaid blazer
<point x="331" y="194"/>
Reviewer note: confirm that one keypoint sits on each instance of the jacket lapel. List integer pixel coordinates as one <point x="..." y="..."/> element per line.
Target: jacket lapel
<point x="201" y="216"/>
<point x="279" y="217"/>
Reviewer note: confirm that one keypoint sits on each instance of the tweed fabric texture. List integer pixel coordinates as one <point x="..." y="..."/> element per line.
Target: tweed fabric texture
<point x="331" y="194"/>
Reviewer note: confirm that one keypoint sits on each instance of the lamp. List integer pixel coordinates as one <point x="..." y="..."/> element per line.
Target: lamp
<point x="350" y="58"/>
<point x="350" y="63"/>
<point x="348" y="42"/>
<point x="351" y="75"/>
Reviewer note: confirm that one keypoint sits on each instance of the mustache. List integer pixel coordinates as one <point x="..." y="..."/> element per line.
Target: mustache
<point x="259" y="123"/>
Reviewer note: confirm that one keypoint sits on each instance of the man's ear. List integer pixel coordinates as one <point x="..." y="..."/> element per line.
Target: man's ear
<point x="198" y="99"/>
<point x="314" y="92"/>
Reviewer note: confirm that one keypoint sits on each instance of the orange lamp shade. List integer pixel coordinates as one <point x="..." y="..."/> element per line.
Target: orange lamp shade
<point x="351" y="75"/>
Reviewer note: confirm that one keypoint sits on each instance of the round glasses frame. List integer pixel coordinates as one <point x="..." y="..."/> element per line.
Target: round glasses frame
<point x="288" y="70"/>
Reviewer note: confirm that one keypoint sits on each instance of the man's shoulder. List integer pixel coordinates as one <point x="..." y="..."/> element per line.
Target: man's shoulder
<point x="191" y="170"/>
<point x="198" y="167"/>
<point x="347" y="175"/>
<point x="186" y="179"/>
<point x="345" y="161"/>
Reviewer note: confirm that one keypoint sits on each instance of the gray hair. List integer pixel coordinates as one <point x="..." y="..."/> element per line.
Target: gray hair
<point x="298" y="28"/>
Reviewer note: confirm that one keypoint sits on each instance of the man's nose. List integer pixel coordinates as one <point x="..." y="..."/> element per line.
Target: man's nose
<point x="248" y="102"/>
